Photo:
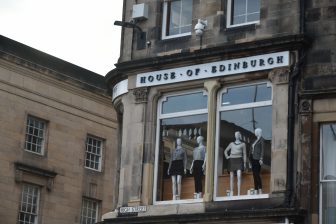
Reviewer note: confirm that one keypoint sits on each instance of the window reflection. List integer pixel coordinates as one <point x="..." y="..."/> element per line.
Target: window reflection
<point x="187" y="129"/>
<point x="245" y="135"/>
<point x="328" y="173"/>
<point x="186" y="102"/>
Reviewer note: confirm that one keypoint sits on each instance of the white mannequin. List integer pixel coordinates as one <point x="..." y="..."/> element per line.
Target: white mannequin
<point x="238" y="150"/>
<point x="199" y="154"/>
<point x="256" y="159"/>
<point x="177" y="179"/>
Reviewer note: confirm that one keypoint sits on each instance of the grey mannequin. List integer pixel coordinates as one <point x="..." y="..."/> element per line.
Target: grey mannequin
<point x="256" y="159"/>
<point x="177" y="167"/>
<point x="197" y="167"/>
<point x="237" y="160"/>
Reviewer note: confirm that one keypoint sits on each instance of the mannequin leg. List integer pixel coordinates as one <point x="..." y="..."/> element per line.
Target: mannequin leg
<point x="174" y="186"/>
<point x="238" y="181"/>
<point x="231" y="183"/>
<point x="179" y="180"/>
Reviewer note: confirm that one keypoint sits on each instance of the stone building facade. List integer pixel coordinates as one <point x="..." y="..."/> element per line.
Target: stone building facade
<point x="191" y="68"/>
<point x="58" y="154"/>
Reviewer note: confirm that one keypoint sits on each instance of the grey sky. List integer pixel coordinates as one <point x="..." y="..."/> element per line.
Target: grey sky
<point x="77" y="31"/>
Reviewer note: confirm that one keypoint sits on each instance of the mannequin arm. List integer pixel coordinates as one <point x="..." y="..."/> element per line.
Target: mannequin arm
<point x="226" y="151"/>
<point x="191" y="167"/>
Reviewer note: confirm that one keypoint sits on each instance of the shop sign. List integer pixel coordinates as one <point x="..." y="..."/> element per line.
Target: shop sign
<point x="120" y="88"/>
<point x="214" y="69"/>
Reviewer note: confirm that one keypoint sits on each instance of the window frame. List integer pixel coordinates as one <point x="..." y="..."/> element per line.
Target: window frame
<point x="36" y="221"/>
<point x="165" y="20"/>
<point x="220" y="109"/>
<point x="157" y="141"/>
<point x="88" y="200"/>
<point x="229" y="17"/>
<point x="321" y="181"/>
<point x="44" y="140"/>
<point x="100" y="165"/>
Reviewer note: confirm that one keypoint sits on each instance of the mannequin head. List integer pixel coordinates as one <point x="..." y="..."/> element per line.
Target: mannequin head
<point x="178" y="142"/>
<point x="238" y="135"/>
<point x="258" y="132"/>
<point x="200" y="139"/>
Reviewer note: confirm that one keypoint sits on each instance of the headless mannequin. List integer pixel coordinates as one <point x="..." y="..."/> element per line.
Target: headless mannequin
<point x="237" y="156"/>
<point x="256" y="158"/>
<point x="198" y="166"/>
<point x="176" y="169"/>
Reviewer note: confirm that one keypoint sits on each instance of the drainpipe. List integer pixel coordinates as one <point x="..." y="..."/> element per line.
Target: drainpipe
<point x="292" y="89"/>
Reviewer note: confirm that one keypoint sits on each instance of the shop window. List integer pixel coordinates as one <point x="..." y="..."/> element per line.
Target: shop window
<point x="93" y="153"/>
<point x="243" y="12"/>
<point x="29" y="206"/>
<point x="328" y="174"/>
<point x="243" y="146"/>
<point x="177" y="18"/>
<point x="35" y="135"/>
<point x="180" y="149"/>
<point x="89" y="213"/>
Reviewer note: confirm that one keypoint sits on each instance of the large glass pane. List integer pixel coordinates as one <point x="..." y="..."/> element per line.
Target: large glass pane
<point x="328" y="152"/>
<point x="328" y="207"/>
<point x="248" y="174"/>
<point x="186" y="102"/>
<point x="174" y="157"/>
<point x="247" y="94"/>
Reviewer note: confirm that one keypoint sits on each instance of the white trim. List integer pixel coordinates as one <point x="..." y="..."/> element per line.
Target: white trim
<point x="320" y="184"/>
<point x="164" y="36"/>
<point x="229" y="17"/>
<point x="157" y="141"/>
<point x="220" y="109"/>
<point x="242" y="197"/>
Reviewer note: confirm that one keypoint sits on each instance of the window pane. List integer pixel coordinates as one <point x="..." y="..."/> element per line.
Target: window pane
<point x="244" y="121"/>
<point x="247" y="94"/>
<point x="329" y="202"/>
<point x="188" y="129"/>
<point x="239" y="7"/>
<point x="328" y="151"/>
<point x="93" y="153"/>
<point x="186" y="102"/>
<point x="179" y="17"/>
<point x="253" y="17"/>
<point x="253" y="6"/>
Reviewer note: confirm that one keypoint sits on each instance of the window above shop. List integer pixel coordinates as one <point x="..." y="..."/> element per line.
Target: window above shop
<point x="177" y="18"/>
<point x="243" y="12"/>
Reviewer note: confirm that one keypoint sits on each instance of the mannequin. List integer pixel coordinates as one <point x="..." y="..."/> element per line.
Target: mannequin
<point x="198" y="166"/>
<point x="256" y="159"/>
<point x="177" y="167"/>
<point x="237" y="160"/>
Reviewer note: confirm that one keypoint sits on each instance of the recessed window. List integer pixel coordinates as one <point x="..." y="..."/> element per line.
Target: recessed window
<point x="89" y="211"/>
<point x="29" y="205"/>
<point x="328" y="174"/>
<point x="244" y="138"/>
<point x="180" y="155"/>
<point x="35" y="135"/>
<point x="177" y="18"/>
<point x="243" y="12"/>
<point x="93" y="154"/>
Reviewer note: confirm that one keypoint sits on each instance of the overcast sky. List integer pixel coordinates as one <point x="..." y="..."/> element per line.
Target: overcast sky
<point x="77" y="31"/>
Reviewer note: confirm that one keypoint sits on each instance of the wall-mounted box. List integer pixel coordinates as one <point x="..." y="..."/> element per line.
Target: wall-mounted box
<point x="140" y="11"/>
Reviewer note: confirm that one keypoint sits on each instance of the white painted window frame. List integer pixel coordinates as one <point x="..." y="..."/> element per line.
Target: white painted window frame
<point x="321" y="164"/>
<point x="95" y="154"/>
<point x="89" y="202"/>
<point x="164" y="24"/>
<point x="43" y="135"/>
<point x="25" y="200"/>
<point x="157" y="143"/>
<point x="221" y="108"/>
<point x="229" y="17"/>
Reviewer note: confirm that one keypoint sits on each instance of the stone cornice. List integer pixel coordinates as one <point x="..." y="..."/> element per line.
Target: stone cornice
<point x="289" y="42"/>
